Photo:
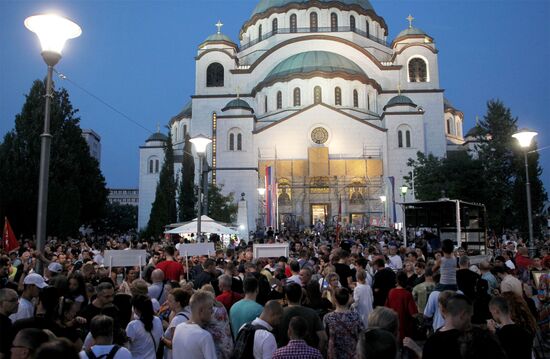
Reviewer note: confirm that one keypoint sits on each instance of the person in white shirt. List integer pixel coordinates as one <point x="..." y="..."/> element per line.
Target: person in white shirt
<point x="32" y="285"/>
<point x="264" y="341"/>
<point x="101" y="329"/>
<point x="362" y="296"/>
<point x="178" y="300"/>
<point x="190" y="340"/>
<point x="435" y="308"/>
<point x="395" y="261"/>
<point x="144" y="333"/>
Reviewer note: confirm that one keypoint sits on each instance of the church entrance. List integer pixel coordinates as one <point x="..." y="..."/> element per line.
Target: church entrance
<point x="320" y="214"/>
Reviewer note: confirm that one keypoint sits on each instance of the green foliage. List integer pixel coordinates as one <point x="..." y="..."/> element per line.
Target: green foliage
<point x="118" y="219"/>
<point x="221" y="208"/>
<point x="496" y="178"/>
<point x="77" y="191"/>
<point x="186" y="192"/>
<point x="163" y="210"/>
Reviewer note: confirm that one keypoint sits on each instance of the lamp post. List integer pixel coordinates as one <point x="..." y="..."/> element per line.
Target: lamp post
<point x="404" y="190"/>
<point x="524" y="137"/>
<point x="200" y="142"/>
<point x="52" y="31"/>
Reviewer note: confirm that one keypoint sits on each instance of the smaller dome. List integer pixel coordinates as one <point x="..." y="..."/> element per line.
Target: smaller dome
<point x="237" y="104"/>
<point x="411" y="31"/>
<point x="218" y="37"/>
<point x="400" y="100"/>
<point x="157" y="136"/>
<point x="475" y="131"/>
<point x="447" y="104"/>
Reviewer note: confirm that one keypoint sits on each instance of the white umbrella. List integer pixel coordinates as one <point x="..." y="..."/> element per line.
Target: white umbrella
<point x="208" y="225"/>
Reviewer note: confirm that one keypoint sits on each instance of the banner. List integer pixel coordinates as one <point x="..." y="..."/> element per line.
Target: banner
<point x="9" y="241"/>
<point x="125" y="258"/>
<point x="271" y="198"/>
<point x="197" y="249"/>
<point x="275" y="250"/>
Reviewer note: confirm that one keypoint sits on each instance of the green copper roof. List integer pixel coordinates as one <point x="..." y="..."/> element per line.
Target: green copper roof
<point x="157" y="137"/>
<point x="218" y="37"/>
<point x="399" y="100"/>
<point x="311" y="61"/>
<point x="237" y="104"/>
<point x="265" y="5"/>
<point x="411" y="31"/>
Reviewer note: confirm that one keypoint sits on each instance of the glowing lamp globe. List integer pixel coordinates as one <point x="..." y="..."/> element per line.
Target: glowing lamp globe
<point x="52" y="31"/>
<point x="524" y="137"/>
<point x="261" y="191"/>
<point x="200" y="142"/>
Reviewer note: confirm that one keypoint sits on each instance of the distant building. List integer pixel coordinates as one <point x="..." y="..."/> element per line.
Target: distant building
<point x="94" y="143"/>
<point x="124" y="196"/>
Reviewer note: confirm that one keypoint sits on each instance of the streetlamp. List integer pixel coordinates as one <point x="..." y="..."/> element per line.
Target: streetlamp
<point x="524" y="137"/>
<point x="52" y="31"/>
<point x="404" y="190"/>
<point x="200" y="142"/>
<point x="383" y="199"/>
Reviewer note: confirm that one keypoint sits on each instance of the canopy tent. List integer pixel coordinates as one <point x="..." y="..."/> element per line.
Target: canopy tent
<point x="208" y="225"/>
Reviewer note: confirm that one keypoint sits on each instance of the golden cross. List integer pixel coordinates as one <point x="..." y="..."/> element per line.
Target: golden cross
<point x="410" y="19"/>
<point x="399" y="88"/>
<point x="219" y="26"/>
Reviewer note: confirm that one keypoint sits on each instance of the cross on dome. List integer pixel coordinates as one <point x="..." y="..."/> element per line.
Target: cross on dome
<point x="410" y="20"/>
<point x="219" y="26"/>
<point x="158" y="127"/>
<point x="238" y="90"/>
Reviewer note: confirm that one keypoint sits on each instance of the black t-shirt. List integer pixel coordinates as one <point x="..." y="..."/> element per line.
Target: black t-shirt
<point x="516" y="341"/>
<point x="344" y="272"/>
<point x="442" y="345"/>
<point x="314" y="324"/>
<point x="384" y="281"/>
<point x="7" y="335"/>
<point x="466" y="281"/>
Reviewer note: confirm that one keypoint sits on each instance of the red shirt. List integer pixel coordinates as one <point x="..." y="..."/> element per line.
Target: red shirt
<point x="228" y="298"/>
<point x="523" y="262"/>
<point x="402" y="301"/>
<point x="172" y="270"/>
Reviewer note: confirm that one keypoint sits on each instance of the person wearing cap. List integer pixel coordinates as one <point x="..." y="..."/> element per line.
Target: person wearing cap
<point x="32" y="285"/>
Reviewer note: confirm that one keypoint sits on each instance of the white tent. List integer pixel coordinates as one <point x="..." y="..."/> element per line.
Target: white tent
<point x="208" y="225"/>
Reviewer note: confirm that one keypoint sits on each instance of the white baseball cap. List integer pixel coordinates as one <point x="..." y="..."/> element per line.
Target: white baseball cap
<point x="36" y="279"/>
<point x="55" y="267"/>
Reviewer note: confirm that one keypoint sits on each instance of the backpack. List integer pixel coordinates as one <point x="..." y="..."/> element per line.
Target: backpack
<point x="110" y="355"/>
<point x="244" y="344"/>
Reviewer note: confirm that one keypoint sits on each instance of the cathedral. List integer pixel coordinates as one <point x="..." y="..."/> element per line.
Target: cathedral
<point x="319" y="96"/>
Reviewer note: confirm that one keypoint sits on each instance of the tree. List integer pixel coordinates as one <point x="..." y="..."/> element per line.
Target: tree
<point x="77" y="191"/>
<point x="186" y="192"/>
<point x="118" y="219"/>
<point x="163" y="210"/>
<point x="221" y="208"/>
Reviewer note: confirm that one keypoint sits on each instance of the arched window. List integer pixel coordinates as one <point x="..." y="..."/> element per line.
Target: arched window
<point x="231" y="142"/>
<point x="214" y="75"/>
<point x="317" y="95"/>
<point x="400" y="139"/>
<point x="352" y="23"/>
<point x="313" y="23"/>
<point x="184" y="131"/>
<point x="279" y="100"/>
<point x="275" y="26"/>
<point x="418" y="70"/>
<point x="265" y="104"/>
<point x="449" y="126"/>
<point x="151" y="166"/>
<point x="260" y="33"/>
<point x="297" y="97"/>
<point x="337" y="96"/>
<point x="157" y="163"/>
<point x="408" y="139"/>
<point x="333" y="22"/>
<point x="240" y="142"/>
<point x="355" y="98"/>
<point x="367" y="30"/>
<point x="293" y="23"/>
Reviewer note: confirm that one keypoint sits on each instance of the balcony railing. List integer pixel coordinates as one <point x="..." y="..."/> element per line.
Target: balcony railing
<point x="306" y="30"/>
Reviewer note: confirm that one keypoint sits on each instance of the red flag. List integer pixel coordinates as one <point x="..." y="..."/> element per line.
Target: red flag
<point x="9" y="242"/>
<point x="339" y="220"/>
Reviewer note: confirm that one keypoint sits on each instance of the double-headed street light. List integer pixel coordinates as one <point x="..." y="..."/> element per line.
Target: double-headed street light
<point x="52" y="31"/>
<point x="200" y="142"/>
<point x="524" y="137"/>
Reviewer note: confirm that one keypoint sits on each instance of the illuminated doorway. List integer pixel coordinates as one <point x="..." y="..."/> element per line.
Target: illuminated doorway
<point x="320" y="213"/>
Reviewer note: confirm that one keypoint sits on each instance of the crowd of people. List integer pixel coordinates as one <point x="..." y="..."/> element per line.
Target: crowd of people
<point x="362" y="296"/>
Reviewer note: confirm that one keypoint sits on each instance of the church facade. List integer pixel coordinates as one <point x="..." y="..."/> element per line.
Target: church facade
<point x="317" y="92"/>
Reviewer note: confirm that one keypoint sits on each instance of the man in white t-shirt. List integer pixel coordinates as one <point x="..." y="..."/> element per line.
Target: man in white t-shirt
<point x="264" y="341"/>
<point x="395" y="263"/>
<point x="101" y="329"/>
<point x="33" y="283"/>
<point x="190" y="340"/>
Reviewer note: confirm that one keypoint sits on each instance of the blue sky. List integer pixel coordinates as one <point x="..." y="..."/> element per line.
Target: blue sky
<point x="138" y="56"/>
